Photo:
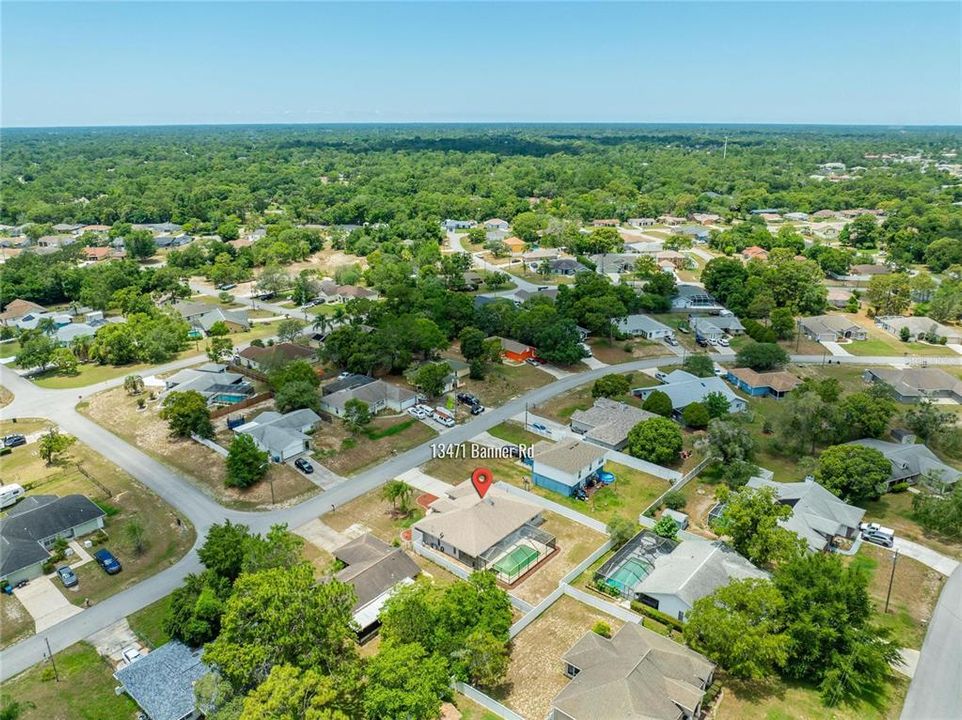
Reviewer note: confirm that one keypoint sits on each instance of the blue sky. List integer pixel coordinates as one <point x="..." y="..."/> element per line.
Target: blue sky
<point x="140" y="63"/>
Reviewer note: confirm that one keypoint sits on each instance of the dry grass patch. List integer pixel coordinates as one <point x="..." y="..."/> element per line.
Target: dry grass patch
<point x="117" y="411"/>
<point x="23" y="426"/>
<point x="506" y="382"/>
<point x="560" y="407"/>
<point x="536" y="673"/>
<point x="575" y="543"/>
<point x="6" y="397"/>
<point x="15" y="622"/>
<point x="340" y="451"/>
<point x="894" y="510"/>
<point x="613" y="352"/>
<point x="374" y="513"/>
<point x="457" y="469"/>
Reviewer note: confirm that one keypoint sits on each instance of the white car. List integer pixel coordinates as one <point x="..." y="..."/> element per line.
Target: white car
<point x="723" y="342"/>
<point x="720" y="371"/>
<point x="417" y="412"/>
<point x="661" y="376"/>
<point x="875" y="533"/>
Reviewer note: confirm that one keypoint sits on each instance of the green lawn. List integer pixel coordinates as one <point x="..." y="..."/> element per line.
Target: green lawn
<point x="514" y="432"/>
<point x="148" y="623"/>
<point x="9" y="349"/>
<point x="877" y="346"/>
<point x="85" y="690"/>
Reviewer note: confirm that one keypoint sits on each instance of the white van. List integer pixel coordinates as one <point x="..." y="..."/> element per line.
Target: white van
<point x="9" y="494"/>
<point x="875" y="533"/>
<point x="444" y="417"/>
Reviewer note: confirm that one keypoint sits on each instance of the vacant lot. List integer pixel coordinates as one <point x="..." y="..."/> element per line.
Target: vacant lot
<point x="340" y="451"/>
<point x="85" y="690"/>
<point x="458" y="469"/>
<point x="575" y="543"/>
<point x="536" y="673"/>
<point x="915" y="589"/>
<point x="621" y="351"/>
<point x="514" y="432"/>
<point x="117" y="411"/>
<point x="23" y="426"/>
<point x="127" y="503"/>
<point x="505" y="382"/>
<point x="15" y="622"/>
<point x="773" y="699"/>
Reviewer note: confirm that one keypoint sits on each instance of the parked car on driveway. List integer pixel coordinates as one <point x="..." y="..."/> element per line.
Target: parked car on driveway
<point x="467" y="399"/>
<point x="14" y="440"/>
<point x="541" y="427"/>
<point x="724" y="342"/>
<point x="304" y="466"/>
<point x="417" y="412"/>
<point x="67" y="576"/>
<point x="108" y="562"/>
<point x="671" y="341"/>
<point x="477" y="409"/>
<point x="875" y="533"/>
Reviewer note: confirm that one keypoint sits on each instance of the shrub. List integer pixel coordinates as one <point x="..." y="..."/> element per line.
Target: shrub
<point x="658" y="403"/>
<point x="602" y="628"/>
<point x="642" y="609"/>
<point x="675" y="500"/>
<point x="5" y="451"/>
<point x="899" y="487"/>
<point x="696" y="416"/>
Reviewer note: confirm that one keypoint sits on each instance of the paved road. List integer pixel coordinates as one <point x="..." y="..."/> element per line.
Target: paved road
<point x="927" y="556"/>
<point x="936" y="689"/>
<point x="455" y="242"/>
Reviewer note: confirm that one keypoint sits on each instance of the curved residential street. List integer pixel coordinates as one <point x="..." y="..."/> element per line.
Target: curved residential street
<point x="189" y="501"/>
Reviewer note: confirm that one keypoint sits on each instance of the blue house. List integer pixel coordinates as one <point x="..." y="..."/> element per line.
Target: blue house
<point x="774" y="384"/>
<point x="566" y="467"/>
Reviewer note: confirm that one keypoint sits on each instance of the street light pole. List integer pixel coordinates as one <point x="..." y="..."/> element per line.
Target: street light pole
<point x="888" y="595"/>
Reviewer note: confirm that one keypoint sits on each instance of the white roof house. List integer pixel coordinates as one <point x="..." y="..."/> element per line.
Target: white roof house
<point x="683" y="389"/>
<point x="644" y="326"/>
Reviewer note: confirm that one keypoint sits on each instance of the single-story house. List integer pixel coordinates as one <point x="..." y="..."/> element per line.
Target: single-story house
<point x="670" y="220"/>
<point x="636" y="674"/>
<point x="674" y="258"/>
<point x="704" y="218"/>
<point x="860" y="273"/>
<point x="19" y="308"/>
<point x="471" y="279"/>
<point x="33" y="525"/>
<point x="914" y="384"/>
<point x="919" y="328"/>
<point x="67" y="227"/>
<point x="96" y="254"/>
<point x="31" y="320"/>
<point x="521" y="295"/>
<point x="516" y="245"/>
<point x="496" y="224"/>
<point x="346" y="383"/>
<point x="167" y="240"/>
<point x="715" y="327"/>
<point x="838" y="297"/>
<point x="475" y="532"/>
<point x="375" y="570"/>
<point x="164" y="227"/>
<point x="776" y="384"/>
<point x="379" y="395"/>
<point x="697" y="233"/>
<point x="162" y="681"/>
<point x="272" y="356"/>
<point x="796" y="216"/>
<point x="608" y="422"/>
<point x="818" y="516"/>
<point x="911" y="462"/>
<point x="55" y="242"/>
<point x="459" y="370"/>
<point x="669" y="575"/>
<point x="203" y="316"/>
<point x="559" y="266"/>
<point x="606" y="222"/>
<point x="458" y="224"/>
<point x="212" y="381"/>
<point x="683" y="389"/>
<point x="615" y="263"/>
<point x="66" y="334"/>
<point x="694" y="297"/>
<point x="641" y="222"/>
<point x="281" y="436"/>
<point x="643" y="326"/>
<point x="514" y="351"/>
<point x="566" y="466"/>
<point x="754" y="253"/>
<point x="831" y="328"/>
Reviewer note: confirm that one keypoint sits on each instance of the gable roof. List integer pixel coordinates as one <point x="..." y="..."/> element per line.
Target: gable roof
<point x="683" y="389"/>
<point x="46" y="516"/>
<point x="830" y="323"/>
<point x="473" y="525"/>
<point x="695" y="569"/>
<point x="635" y="675"/>
<point x="917" y="382"/>
<point x="817" y="514"/>
<point x="373" y="567"/>
<point x="278" y="433"/>
<point x="20" y="307"/>
<point x="910" y="460"/>
<point x="609" y="421"/>
<point x="372" y="393"/>
<point x="643" y="323"/>
<point x="162" y="682"/>
<point x="569" y="456"/>
<point x="778" y="380"/>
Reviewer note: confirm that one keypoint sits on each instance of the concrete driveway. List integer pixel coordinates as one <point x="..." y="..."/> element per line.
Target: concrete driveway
<point x="45" y="603"/>
<point x="321" y="535"/>
<point x="927" y="556"/>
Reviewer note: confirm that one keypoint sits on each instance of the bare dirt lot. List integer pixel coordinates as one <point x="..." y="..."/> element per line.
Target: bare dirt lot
<point x="117" y="411"/>
<point x="536" y="674"/>
<point x="340" y="451"/>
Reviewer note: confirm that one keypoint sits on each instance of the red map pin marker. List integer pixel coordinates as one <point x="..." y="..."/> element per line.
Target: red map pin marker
<point x="482" y="479"/>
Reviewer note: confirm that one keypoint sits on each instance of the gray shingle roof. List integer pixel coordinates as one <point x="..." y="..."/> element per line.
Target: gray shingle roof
<point x="683" y="389"/>
<point x="23" y="529"/>
<point x="162" y="682"/>
<point x="911" y="460"/>
<point x="373" y="567"/>
<point x="636" y="675"/>
<point x="569" y="456"/>
<point x="609" y="421"/>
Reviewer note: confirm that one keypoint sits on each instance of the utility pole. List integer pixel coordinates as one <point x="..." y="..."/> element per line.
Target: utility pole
<point x="526" y="416"/>
<point x="888" y="595"/>
<point x="53" y="662"/>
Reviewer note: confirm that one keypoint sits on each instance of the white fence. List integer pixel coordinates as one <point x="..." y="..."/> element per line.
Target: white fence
<point x="222" y="451"/>
<point x="536" y="612"/>
<point x="646" y="467"/>
<point x="489" y="704"/>
<point x="602" y="605"/>
<point x="554" y="507"/>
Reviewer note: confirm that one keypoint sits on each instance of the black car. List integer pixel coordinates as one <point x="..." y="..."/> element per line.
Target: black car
<point x="304" y="466"/>
<point x="477" y="409"/>
<point x="108" y="562"/>
<point x="14" y="440"/>
<point x="701" y="342"/>
<point x="467" y="399"/>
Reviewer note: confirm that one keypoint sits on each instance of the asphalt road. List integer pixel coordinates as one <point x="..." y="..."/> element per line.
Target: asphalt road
<point x="936" y="690"/>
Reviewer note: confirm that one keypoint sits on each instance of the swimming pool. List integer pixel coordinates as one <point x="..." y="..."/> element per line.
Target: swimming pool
<point x="228" y="399"/>
<point x="628" y="575"/>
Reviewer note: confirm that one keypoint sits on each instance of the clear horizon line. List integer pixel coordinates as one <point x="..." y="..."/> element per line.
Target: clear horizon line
<point x="402" y="123"/>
